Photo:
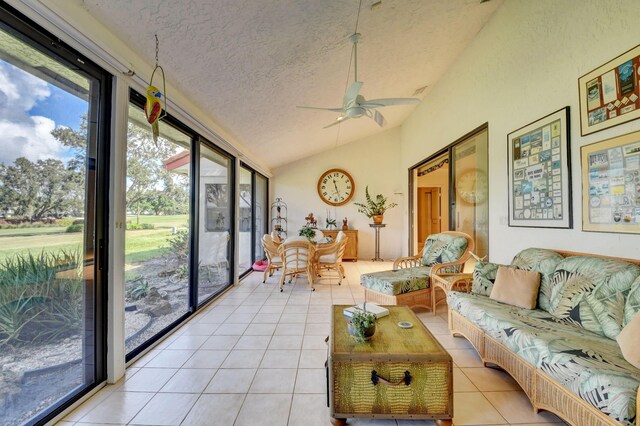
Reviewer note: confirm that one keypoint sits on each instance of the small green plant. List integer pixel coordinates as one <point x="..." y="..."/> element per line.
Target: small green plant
<point x="75" y="228"/>
<point x="374" y="207"/>
<point x="179" y="245"/>
<point x="361" y="322"/>
<point x="308" y="233"/>
<point x="139" y="289"/>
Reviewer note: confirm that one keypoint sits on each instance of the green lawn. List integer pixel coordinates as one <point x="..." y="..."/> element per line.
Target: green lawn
<point x="140" y="244"/>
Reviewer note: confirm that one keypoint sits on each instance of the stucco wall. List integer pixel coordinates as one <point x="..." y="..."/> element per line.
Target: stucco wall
<point x="374" y="161"/>
<point x="523" y="65"/>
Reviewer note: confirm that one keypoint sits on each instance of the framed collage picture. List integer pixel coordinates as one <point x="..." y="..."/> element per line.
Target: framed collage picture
<point x="611" y="185"/>
<point x="539" y="173"/>
<point x="610" y="94"/>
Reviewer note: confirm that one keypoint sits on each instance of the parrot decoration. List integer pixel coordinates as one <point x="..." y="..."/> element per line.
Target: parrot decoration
<point x="152" y="109"/>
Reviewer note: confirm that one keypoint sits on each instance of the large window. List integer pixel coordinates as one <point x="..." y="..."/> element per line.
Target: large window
<point x="157" y="249"/>
<point x="216" y="219"/>
<point x="53" y="121"/>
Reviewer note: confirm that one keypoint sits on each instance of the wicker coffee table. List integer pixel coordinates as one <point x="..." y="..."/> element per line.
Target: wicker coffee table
<point x="401" y="373"/>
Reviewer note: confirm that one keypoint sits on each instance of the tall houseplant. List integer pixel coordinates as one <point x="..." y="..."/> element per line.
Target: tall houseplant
<point x="374" y="207"/>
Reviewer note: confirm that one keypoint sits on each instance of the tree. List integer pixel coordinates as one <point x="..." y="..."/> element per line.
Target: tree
<point x="149" y="184"/>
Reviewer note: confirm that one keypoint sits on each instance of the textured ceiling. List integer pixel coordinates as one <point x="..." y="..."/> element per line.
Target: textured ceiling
<point x="250" y="62"/>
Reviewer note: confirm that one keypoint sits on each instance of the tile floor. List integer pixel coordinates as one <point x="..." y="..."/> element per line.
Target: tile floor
<point x="256" y="357"/>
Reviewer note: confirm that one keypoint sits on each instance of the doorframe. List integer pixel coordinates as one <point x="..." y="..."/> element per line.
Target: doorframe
<point x="448" y="150"/>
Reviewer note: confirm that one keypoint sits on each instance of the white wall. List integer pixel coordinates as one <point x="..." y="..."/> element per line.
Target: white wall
<point x="523" y="65"/>
<point x="373" y="161"/>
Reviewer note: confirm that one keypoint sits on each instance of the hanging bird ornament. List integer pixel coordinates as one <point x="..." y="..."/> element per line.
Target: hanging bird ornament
<point x="156" y="105"/>
<point x="152" y="109"/>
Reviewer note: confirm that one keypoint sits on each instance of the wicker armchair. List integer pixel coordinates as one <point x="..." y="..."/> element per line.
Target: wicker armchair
<point x="329" y="256"/>
<point x="297" y="259"/>
<point x="409" y="282"/>
<point x="273" y="258"/>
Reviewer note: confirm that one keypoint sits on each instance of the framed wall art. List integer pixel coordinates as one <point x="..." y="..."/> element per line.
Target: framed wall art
<point x="611" y="185"/>
<point x="539" y="173"/>
<point x="610" y="94"/>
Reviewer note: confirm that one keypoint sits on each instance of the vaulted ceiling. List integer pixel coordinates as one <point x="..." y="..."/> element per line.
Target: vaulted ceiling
<point x="248" y="63"/>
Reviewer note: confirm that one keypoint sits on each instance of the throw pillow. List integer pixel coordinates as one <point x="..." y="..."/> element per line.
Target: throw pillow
<point x="629" y="341"/>
<point x="516" y="287"/>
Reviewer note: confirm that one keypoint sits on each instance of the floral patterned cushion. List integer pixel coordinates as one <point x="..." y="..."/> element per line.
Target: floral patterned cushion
<point x="588" y="365"/>
<point x="443" y="248"/>
<point x="484" y="275"/>
<point x="398" y="281"/>
<point x="543" y="261"/>
<point x="590" y="292"/>
<point x="632" y="305"/>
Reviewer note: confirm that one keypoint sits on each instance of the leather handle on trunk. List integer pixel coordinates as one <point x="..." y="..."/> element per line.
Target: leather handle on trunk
<point x="375" y="379"/>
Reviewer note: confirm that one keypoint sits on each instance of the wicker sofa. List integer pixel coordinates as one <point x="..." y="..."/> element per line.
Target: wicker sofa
<point x="563" y="354"/>
<point x="408" y="283"/>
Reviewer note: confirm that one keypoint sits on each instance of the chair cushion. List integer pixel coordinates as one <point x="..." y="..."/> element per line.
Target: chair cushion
<point x="516" y="287"/>
<point x="591" y="292"/>
<point x="276" y="259"/>
<point x="443" y="248"/>
<point x="484" y="277"/>
<point x="629" y="341"/>
<point x="327" y="258"/>
<point x="589" y="365"/>
<point x="544" y="261"/>
<point x="632" y="305"/>
<point x="398" y="281"/>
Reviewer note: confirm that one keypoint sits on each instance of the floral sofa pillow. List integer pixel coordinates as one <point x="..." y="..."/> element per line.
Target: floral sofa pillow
<point x="543" y="261"/>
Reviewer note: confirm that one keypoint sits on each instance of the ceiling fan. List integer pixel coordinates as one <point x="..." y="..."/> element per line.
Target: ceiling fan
<point x="354" y="105"/>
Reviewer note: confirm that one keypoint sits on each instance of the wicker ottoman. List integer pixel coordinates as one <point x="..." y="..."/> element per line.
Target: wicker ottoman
<point x="399" y="374"/>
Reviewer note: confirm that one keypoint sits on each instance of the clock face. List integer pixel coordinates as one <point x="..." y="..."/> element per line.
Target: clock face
<point x="336" y="187"/>
<point x="472" y="186"/>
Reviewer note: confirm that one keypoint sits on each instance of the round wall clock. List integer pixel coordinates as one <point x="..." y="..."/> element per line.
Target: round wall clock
<point x="472" y="186"/>
<point x="336" y="187"/>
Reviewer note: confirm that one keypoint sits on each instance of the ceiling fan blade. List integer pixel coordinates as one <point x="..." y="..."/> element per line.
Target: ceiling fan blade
<point x="338" y="121"/>
<point x="322" y="109"/>
<point x="352" y="93"/>
<point x="379" y="118"/>
<point x="374" y="103"/>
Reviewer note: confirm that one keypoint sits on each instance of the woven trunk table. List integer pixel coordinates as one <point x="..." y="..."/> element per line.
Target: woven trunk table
<point x="369" y="379"/>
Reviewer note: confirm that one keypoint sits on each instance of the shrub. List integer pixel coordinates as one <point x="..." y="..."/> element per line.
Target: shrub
<point x="139" y="289"/>
<point x="35" y="306"/>
<point x="136" y="226"/>
<point x="179" y="245"/>
<point x="75" y="228"/>
<point x="64" y="222"/>
<point x="78" y="222"/>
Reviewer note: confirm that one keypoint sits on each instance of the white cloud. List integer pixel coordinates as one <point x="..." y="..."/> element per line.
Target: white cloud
<point x="22" y="135"/>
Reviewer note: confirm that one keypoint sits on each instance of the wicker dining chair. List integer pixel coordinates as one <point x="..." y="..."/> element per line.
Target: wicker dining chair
<point x="329" y="256"/>
<point x="297" y="259"/>
<point x="273" y="258"/>
<point x="276" y="237"/>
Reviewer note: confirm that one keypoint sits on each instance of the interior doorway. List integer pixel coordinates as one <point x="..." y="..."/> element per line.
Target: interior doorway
<point x="449" y="191"/>
<point x="429" y="214"/>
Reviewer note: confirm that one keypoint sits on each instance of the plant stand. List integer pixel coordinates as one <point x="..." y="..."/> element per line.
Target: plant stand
<point x="377" y="257"/>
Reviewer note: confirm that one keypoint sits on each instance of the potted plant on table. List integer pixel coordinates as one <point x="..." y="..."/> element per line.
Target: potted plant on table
<point x="374" y="207"/>
<point x="308" y="232"/>
<point x="362" y="325"/>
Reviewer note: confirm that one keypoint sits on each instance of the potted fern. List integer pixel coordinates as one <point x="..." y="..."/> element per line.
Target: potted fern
<point x="374" y="207"/>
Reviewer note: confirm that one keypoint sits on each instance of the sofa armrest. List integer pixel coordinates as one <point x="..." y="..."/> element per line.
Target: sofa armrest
<point x="407" y="262"/>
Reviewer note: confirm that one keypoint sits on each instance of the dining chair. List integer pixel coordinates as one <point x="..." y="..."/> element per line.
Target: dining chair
<point x="297" y="259"/>
<point x="275" y="237"/>
<point x="329" y="256"/>
<point x="273" y="258"/>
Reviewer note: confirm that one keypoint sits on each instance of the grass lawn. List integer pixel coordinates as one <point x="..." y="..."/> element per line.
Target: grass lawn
<point x="140" y="244"/>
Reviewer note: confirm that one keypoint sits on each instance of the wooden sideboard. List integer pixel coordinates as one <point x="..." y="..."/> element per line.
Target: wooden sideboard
<point x="351" y="251"/>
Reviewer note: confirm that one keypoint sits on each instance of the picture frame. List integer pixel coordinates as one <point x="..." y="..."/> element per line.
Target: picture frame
<point x="539" y="173"/>
<point x="611" y="185"/>
<point x="610" y="94"/>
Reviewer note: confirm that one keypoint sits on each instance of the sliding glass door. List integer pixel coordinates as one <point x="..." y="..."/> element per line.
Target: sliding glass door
<point x="53" y="123"/>
<point x="261" y="214"/>
<point x="216" y="221"/>
<point x="246" y="220"/>
<point x="158" y="235"/>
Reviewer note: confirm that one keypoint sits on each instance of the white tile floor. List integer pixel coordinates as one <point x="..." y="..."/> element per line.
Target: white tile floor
<point x="256" y="357"/>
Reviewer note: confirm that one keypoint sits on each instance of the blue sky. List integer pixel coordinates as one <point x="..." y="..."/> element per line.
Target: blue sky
<point x="62" y="107"/>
